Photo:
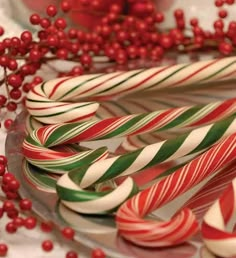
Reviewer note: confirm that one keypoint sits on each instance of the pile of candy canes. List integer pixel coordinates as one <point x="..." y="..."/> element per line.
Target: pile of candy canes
<point x="212" y="137"/>
<point x="65" y="111"/>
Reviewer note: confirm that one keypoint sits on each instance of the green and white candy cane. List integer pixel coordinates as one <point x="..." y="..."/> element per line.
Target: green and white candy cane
<point x="76" y="181"/>
<point x="55" y="101"/>
<point x="36" y="145"/>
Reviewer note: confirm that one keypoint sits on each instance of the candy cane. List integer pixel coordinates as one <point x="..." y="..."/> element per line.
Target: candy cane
<point x="129" y="217"/>
<point x="48" y="102"/>
<point x="35" y="146"/>
<point x="129" y="163"/>
<point x="214" y="233"/>
<point x="201" y="201"/>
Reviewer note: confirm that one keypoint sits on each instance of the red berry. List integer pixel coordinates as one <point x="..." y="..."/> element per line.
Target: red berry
<point x="46" y="227"/>
<point x="47" y="245"/>
<point x="62" y="53"/>
<point x="11" y="195"/>
<point x="179" y="13"/>
<point x="45" y="23"/>
<point x="3" y="100"/>
<point x="2" y="169"/>
<point x="4" y="61"/>
<point x="98" y="253"/>
<point x="7" y="177"/>
<point x="11" y="106"/>
<point x="8" y="123"/>
<point x="229" y="2"/>
<point x="8" y="205"/>
<point x="166" y="41"/>
<point x="71" y="254"/>
<point x="14" y="80"/>
<point x="25" y="204"/>
<point x="222" y="13"/>
<point x="65" y="6"/>
<point x="51" y="10"/>
<point x="11" y="227"/>
<point x="13" y="185"/>
<point x="159" y="17"/>
<point x="1" y="212"/>
<point x="3" y="160"/>
<point x="60" y="23"/>
<point x="86" y="60"/>
<point x="52" y="41"/>
<point x="15" y="93"/>
<point x="18" y="221"/>
<point x="68" y="233"/>
<point x="34" y="55"/>
<point x="26" y="36"/>
<point x="15" y="42"/>
<point x="30" y="222"/>
<point x="35" y="19"/>
<point x="3" y="249"/>
<point x="225" y="48"/>
<point x="13" y="214"/>
<point x="121" y="57"/>
<point x="12" y="64"/>
<point x="1" y="30"/>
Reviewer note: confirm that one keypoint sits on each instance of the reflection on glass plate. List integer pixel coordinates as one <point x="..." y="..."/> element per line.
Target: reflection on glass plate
<point x="92" y="231"/>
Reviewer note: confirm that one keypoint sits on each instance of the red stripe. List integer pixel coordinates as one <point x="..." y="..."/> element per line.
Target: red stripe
<point x="215" y="113"/>
<point x="196" y="72"/>
<point x="153" y="122"/>
<point x="46" y="108"/>
<point x="80" y="118"/>
<point x="146" y="79"/>
<point x="100" y="84"/>
<point x="226" y="203"/>
<point x="92" y="131"/>
<point x="57" y="86"/>
<point x="211" y="233"/>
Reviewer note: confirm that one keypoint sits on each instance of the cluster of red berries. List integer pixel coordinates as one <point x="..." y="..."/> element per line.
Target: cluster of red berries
<point x="19" y="213"/>
<point x="121" y="36"/>
<point x="10" y="186"/>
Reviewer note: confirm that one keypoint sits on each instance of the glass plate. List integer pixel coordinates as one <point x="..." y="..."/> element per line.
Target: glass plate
<point x="92" y="231"/>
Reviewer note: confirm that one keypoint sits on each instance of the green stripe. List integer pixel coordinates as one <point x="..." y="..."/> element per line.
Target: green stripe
<point x="168" y="76"/>
<point x="123" y="128"/>
<point x="65" y="111"/>
<point x="183" y="117"/>
<point x="125" y="80"/>
<point x="79" y="85"/>
<point x="167" y="150"/>
<point x="214" y="134"/>
<point x="78" y="196"/>
<point x="219" y="71"/>
<point x="41" y="176"/>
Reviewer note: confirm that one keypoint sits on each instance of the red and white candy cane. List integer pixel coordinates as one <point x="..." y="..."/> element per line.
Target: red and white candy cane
<point x="147" y="232"/>
<point x="200" y="202"/>
<point x="215" y="236"/>
<point x="54" y="101"/>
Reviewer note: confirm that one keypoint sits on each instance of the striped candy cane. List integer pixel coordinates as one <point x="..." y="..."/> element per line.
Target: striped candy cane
<point x="214" y="233"/>
<point x="133" y="162"/>
<point x="181" y="227"/>
<point x="54" y="101"/>
<point x="36" y="151"/>
<point x="200" y="202"/>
